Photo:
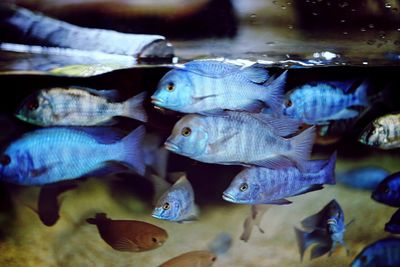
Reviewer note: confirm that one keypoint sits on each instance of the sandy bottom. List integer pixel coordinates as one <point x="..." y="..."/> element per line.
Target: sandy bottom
<point x="73" y="242"/>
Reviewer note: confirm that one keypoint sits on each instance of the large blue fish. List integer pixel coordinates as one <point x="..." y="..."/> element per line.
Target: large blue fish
<point x="382" y="253"/>
<point x="317" y="103"/>
<point x="388" y="191"/>
<point x="393" y="226"/>
<point x="259" y="185"/>
<point x="326" y="228"/>
<point x="241" y="139"/>
<point x="177" y="203"/>
<point x="55" y="154"/>
<point x="210" y="86"/>
<point x="366" y="178"/>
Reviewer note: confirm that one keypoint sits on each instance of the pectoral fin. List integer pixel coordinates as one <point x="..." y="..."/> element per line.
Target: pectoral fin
<point x="125" y="244"/>
<point x="215" y="146"/>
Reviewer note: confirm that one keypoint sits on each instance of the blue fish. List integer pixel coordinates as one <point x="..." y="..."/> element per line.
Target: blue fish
<point x="54" y="154"/>
<point x="220" y="244"/>
<point x="259" y="185"/>
<point x="388" y="191"/>
<point x="326" y="228"/>
<point x="393" y="226"/>
<point x="382" y="253"/>
<point x="177" y="203"/>
<point x="366" y="178"/>
<point x="320" y="102"/>
<point x="241" y="138"/>
<point x="210" y="87"/>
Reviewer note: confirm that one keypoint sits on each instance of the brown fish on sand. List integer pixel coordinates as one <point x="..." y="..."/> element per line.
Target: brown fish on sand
<point x="198" y="258"/>
<point x="129" y="235"/>
<point x="254" y="219"/>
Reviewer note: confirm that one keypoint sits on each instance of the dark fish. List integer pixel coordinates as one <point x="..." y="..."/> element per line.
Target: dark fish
<point x="199" y="258"/>
<point x="253" y="219"/>
<point x="393" y="226"/>
<point x="388" y="191"/>
<point x="363" y="177"/>
<point x="48" y="204"/>
<point x="382" y="253"/>
<point x="326" y="228"/>
<point x="129" y="235"/>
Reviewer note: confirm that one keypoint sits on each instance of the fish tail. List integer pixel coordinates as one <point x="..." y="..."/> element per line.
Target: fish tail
<point x="303" y="241"/>
<point x="302" y="146"/>
<point x="132" y="153"/>
<point x="134" y="109"/>
<point x="362" y="94"/>
<point x="275" y="95"/>
<point x="329" y="170"/>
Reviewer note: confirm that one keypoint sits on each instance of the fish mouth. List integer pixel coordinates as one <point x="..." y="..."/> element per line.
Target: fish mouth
<point x="155" y="215"/>
<point x="228" y="197"/>
<point x="156" y="101"/>
<point x="171" y="147"/>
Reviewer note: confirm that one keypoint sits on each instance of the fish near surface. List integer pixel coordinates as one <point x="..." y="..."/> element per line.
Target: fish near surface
<point x="177" y="203"/>
<point x="327" y="229"/>
<point x="317" y="103"/>
<point x="78" y="107"/>
<point x="50" y="155"/>
<point x="382" y="253"/>
<point x="197" y="258"/>
<point x="241" y="139"/>
<point x="383" y="132"/>
<point x="258" y="185"/>
<point x="209" y="87"/>
<point x="253" y="219"/>
<point x="366" y="178"/>
<point x="388" y="191"/>
<point x="129" y="235"/>
<point x="393" y="226"/>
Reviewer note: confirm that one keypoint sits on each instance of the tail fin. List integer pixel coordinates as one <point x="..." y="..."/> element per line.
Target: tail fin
<point x="362" y="94"/>
<point x="302" y="241"/>
<point x="132" y="153"/>
<point x="275" y="96"/>
<point x="301" y="147"/>
<point x="133" y="107"/>
<point x="329" y="170"/>
<point x="98" y="218"/>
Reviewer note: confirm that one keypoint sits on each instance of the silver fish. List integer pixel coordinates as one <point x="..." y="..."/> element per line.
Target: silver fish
<point x="78" y="107"/>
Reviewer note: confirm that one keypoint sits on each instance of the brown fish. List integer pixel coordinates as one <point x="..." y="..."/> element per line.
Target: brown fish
<point x="198" y="258"/>
<point x="253" y="219"/>
<point x="129" y="235"/>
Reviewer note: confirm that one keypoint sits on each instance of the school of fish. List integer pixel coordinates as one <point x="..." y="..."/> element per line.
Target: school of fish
<point x="233" y="115"/>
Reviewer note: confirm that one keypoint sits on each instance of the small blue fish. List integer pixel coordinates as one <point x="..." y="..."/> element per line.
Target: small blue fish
<point x="393" y="226"/>
<point x="79" y="107"/>
<point x="54" y="154"/>
<point x="366" y="178"/>
<point x="240" y="138"/>
<point x="321" y="102"/>
<point x="220" y="244"/>
<point x="210" y="86"/>
<point x="382" y="253"/>
<point x="388" y="191"/>
<point x="327" y="230"/>
<point x="259" y="185"/>
<point x="177" y="204"/>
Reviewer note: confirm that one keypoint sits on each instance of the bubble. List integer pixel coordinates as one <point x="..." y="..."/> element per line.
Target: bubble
<point x="371" y="26"/>
<point x="253" y="16"/>
<point x="342" y="20"/>
<point x="314" y="14"/>
<point x="388" y="5"/>
<point x="290" y="27"/>
<point x="343" y="4"/>
<point x="275" y="2"/>
<point x="363" y="29"/>
<point x="371" y="42"/>
<point x="345" y="33"/>
<point x="283" y="7"/>
<point x="365" y="63"/>
<point x="288" y="3"/>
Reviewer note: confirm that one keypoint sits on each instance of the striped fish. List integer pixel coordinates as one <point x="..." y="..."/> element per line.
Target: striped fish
<point x="383" y="132"/>
<point x="384" y="252"/>
<point x="78" y="107"/>
<point x="317" y="103"/>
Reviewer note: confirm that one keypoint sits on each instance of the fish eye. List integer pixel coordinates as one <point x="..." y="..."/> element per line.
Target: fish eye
<point x="186" y="131"/>
<point x="170" y="87"/>
<point x="386" y="189"/>
<point x="33" y="105"/>
<point x="288" y="103"/>
<point x="243" y="187"/>
<point x="154" y="239"/>
<point x="5" y="160"/>
<point x="363" y="259"/>
<point x="166" y="206"/>
<point x="213" y="259"/>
